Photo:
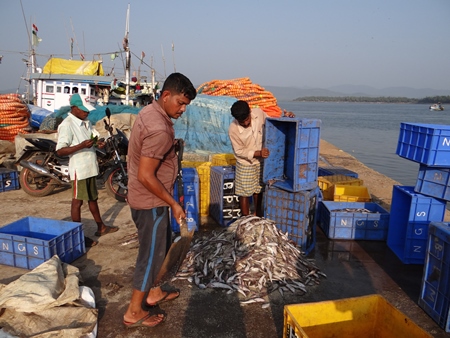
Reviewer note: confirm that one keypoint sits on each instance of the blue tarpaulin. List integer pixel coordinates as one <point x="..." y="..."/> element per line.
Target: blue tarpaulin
<point x="203" y="126"/>
<point x="38" y="114"/>
<point x="100" y="112"/>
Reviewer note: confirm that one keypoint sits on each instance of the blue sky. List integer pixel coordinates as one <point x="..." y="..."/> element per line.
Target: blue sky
<point x="298" y="43"/>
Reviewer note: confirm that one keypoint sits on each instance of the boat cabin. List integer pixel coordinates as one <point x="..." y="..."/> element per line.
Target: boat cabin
<point x="54" y="94"/>
<point x="60" y="79"/>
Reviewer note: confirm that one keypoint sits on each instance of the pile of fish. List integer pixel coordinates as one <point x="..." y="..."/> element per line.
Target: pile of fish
<point x="252" y="257"/>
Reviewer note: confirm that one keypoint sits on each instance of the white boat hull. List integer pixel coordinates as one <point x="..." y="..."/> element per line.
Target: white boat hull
<point x="436" y="107"/>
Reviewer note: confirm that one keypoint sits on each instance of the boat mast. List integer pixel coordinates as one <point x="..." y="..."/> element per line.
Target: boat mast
<point x="153" y="84"/>
<point x="31" y="63"/>
<point x="33" y="81"/>
<point x="127" y="56"/>
<point x="173" y="58"/>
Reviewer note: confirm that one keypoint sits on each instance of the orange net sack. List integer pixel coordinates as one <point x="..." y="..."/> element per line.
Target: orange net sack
<point x="243" y="89"/>
<point x="14" y="117"/>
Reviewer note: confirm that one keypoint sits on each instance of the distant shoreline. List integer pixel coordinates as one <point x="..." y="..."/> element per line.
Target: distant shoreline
<point x="365" y="99"/>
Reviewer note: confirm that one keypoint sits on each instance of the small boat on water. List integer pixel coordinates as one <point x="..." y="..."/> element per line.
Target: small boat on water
<point x="437" y="106"/>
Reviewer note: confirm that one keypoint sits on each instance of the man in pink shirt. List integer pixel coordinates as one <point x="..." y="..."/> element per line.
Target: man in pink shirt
<point x="152" y="169"/>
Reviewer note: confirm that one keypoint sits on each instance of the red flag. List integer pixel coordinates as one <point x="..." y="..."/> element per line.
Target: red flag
<point x="35" y="27"/>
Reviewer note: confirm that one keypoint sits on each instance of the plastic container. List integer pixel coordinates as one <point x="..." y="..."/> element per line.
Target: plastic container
<point x="327" y="171"/>
<point x="204" y="172"/>
<point x="223" y="160"/>
<point x="435" y="291"/>
<point x="191" y="199"/>
<point x="348" y="193"/>
<point x="9" y="180"/>
<point x="294" y="153"/>
<point x="367" y="316"/>
<point x="428" y="144"/>
<point x="326" y="184"/>
<point x="294" y="213"/>
<point x="411" y="213"/>
<point x="224" y="204"/>
<point x="432" y="181"/>
<point x="337" y="223"/>
<point x="30" y="241"/>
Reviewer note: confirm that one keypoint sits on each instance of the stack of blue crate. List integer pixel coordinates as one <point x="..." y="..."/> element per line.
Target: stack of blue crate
<point x="224" y="204"/>
<point x="191" y="199"/>
<point x="290" y="174"/>
<point x="413" y="208"/>
<point x="429" y="145"/>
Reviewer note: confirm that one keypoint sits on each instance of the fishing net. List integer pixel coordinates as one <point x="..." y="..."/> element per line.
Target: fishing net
<point x="14" y="117"/>
<point x="243" y="89"/>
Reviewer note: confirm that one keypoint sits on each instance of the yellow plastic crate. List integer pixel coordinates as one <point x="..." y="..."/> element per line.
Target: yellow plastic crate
<point x="204" y="171"/>
<point x="367" y="316"/>
<point x="223" y="160"/>
<point x="326" y="184"/>
<point x="350" y="193"/>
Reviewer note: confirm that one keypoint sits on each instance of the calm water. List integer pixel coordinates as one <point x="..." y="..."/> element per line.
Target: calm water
<point x="370" y="132"/>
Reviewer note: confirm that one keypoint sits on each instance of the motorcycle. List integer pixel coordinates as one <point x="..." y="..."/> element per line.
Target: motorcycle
<point x="43" y="170"/>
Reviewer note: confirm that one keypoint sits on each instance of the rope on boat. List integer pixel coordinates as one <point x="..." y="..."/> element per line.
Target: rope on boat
<point x="243" y="89"/>
<point x="14" y="117"/>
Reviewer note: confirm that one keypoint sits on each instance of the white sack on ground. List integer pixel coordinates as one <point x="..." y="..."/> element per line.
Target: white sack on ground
<point x="46" y="302"/>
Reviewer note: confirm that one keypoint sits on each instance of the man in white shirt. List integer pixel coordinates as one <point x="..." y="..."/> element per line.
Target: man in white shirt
<point x="74" y="140"/>
<point x="246" y="135"/>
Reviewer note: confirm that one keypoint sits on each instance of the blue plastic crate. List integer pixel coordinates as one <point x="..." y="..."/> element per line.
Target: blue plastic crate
<point x="432" y="181"/>
<point x="294" y="153"/>
<point x="294" y="213"/>
<point x="338" y="223"/>
<point x="411" y="213"/>
<point x="191" y="199"/>
<point x="428" y="144"/>
<point x="9" y="180"/>
<point x="31" y="241"/>
<point x="435" y="291"/>
<point x="224" y="204"/>
<point x="328" y="171"/>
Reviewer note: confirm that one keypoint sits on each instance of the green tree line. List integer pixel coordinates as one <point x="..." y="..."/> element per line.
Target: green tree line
<point x="381" y="99"/>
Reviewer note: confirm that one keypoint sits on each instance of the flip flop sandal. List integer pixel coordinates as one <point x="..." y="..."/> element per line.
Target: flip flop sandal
<point x="153" y="309"/>
<point x="170" y="290"/>
<point x="89" y="243"/>
<point x="140" y="322"/>
<point x="108" y="230"/>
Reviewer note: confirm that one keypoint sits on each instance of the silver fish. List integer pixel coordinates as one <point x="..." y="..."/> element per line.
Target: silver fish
<point x="251" y="257"/>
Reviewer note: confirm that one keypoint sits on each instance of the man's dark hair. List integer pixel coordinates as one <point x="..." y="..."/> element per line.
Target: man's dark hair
<point x="177" y="83"/>
<point x="240" y="110"/>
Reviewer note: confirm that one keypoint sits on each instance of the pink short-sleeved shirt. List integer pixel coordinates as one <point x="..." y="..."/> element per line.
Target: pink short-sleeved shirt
<point x="152" y="136"/>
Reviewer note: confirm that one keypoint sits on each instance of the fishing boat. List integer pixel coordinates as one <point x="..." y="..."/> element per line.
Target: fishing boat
<point x="437" y="107"/>
<point x="60" y="78"/>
